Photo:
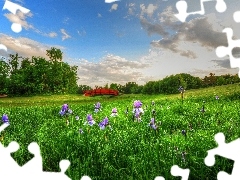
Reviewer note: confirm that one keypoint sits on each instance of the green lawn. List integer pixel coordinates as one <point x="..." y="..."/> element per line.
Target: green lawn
<point x="131" y="150"/>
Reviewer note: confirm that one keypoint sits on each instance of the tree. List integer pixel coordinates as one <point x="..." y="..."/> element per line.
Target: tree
<point x="4" y="76"/>
<point x="55" y="54"/>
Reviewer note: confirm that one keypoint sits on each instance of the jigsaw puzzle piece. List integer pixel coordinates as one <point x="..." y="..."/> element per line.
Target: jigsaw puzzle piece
<point x="236" y="16"/>
<point x="182" y="6"/>
<point x="86" y="178"/>
<point x="177" y="171"/>
<point x="13" y="8"/>
<point x="7" y="164"/>
<point x="228" y="150"/>
<point x="64" y="164"/>
<point x="35" y="164"/>
<point x="222" y="51"/>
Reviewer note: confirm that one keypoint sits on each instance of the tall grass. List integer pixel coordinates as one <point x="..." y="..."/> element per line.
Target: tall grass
<point x="131" y="150"/>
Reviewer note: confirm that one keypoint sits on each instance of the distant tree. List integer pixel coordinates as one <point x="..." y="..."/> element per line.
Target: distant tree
<point x="83" y="88"/>
<point x="4" y="76"/>
<point x="114" y="86"/>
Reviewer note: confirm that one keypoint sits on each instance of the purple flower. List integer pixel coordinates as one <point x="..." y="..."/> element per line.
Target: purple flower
<point x="153" y="124"/>
<point x="64" y="107"/>
<point x="89" y="117"/>
<point x="65" y="110"/>
<point x="104" y="123"/>
<point x="181" y="89"/>
<point x="5" y="119"/>
<point x="137" y="104"/>
<point x="90" y="120"/>
<point x="114" y="110"/>
<point x="98" y="105"/>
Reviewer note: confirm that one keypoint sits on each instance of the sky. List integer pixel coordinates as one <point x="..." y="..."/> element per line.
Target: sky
<point x="123" y="41"/>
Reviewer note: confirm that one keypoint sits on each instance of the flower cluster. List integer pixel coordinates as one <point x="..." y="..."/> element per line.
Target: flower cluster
<point x="97" y="107"/>
<point x="138" y="111"/>
<point x="90" y="120"/>
<point x="65" y="110"/>
<point x="104" y="123"/>
<point x="5" y="119"/>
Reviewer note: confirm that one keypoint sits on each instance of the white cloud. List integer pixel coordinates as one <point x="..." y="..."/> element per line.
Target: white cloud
<point x="99" y="15"/>
<point x="110" y="69"/>
<point x="114" y="7"/>
<point x="65" y="35"/>
<point x="24" y="46"/>
<point x="149" y="10"/>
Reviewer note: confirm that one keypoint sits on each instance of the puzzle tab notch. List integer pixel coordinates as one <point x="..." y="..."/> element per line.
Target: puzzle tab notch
<point x="177" y="171"/>
<point x="182" y="6"/>
<point x="227" y="150"/>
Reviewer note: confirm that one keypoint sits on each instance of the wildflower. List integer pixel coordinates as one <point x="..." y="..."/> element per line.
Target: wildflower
<point x="77" y="117"/>
<point x="104" y="123"/>
<point x="137" y="104"/>
<point x="97" y="107"/>
<point x="5" y="119"/>
<point x="181" y="89"/>
<point x="114" y="112"/>
<point x="90" y="120"/>
<point x="217" y="97"/>
<point x="80" y="131"/>
<point x="65" y="110"/>
<point x="138" y="111"/>
<point x="152" y="124"/>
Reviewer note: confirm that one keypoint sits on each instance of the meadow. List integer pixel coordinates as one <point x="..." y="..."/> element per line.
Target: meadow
<point x="130" y="150"/>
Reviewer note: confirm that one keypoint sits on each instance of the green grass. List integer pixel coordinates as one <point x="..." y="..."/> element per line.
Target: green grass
<point x="132" y="150"/>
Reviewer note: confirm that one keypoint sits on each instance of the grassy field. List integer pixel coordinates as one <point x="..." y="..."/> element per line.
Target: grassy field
<point x="131" y="150"/>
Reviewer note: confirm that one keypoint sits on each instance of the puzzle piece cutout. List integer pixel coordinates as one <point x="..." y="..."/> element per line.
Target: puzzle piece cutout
<point x="9" y="168"/>
<point x="236" y="16"/>
<point x="177" y="171"/>
<point x="13" y="8"/>
<point x="3" y="47"/>
<point x="222" y="51"/>
<point x="182" y="6"/>
<point x="228" y="150"/>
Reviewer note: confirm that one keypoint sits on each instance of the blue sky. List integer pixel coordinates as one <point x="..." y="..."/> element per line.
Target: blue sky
<point x="132" y="40"/>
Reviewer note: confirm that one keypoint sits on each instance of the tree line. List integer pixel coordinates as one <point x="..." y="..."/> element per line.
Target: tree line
<point x="169" y="84"/>
<point x="21" y="76"/>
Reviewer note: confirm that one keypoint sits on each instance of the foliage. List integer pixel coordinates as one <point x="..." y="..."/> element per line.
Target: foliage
<point x="130" y="148"/>
<point x="24" y="76"/>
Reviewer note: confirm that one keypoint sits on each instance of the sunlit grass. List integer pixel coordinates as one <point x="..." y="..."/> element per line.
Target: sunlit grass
<point x="132" y="150"/>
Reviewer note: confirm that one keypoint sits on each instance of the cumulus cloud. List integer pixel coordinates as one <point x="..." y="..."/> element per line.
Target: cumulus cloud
<point x="24" y="46"/>
<point x="110" y="69"/>
<point x="149" y="10"/>
<point x="64" y="34"/>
